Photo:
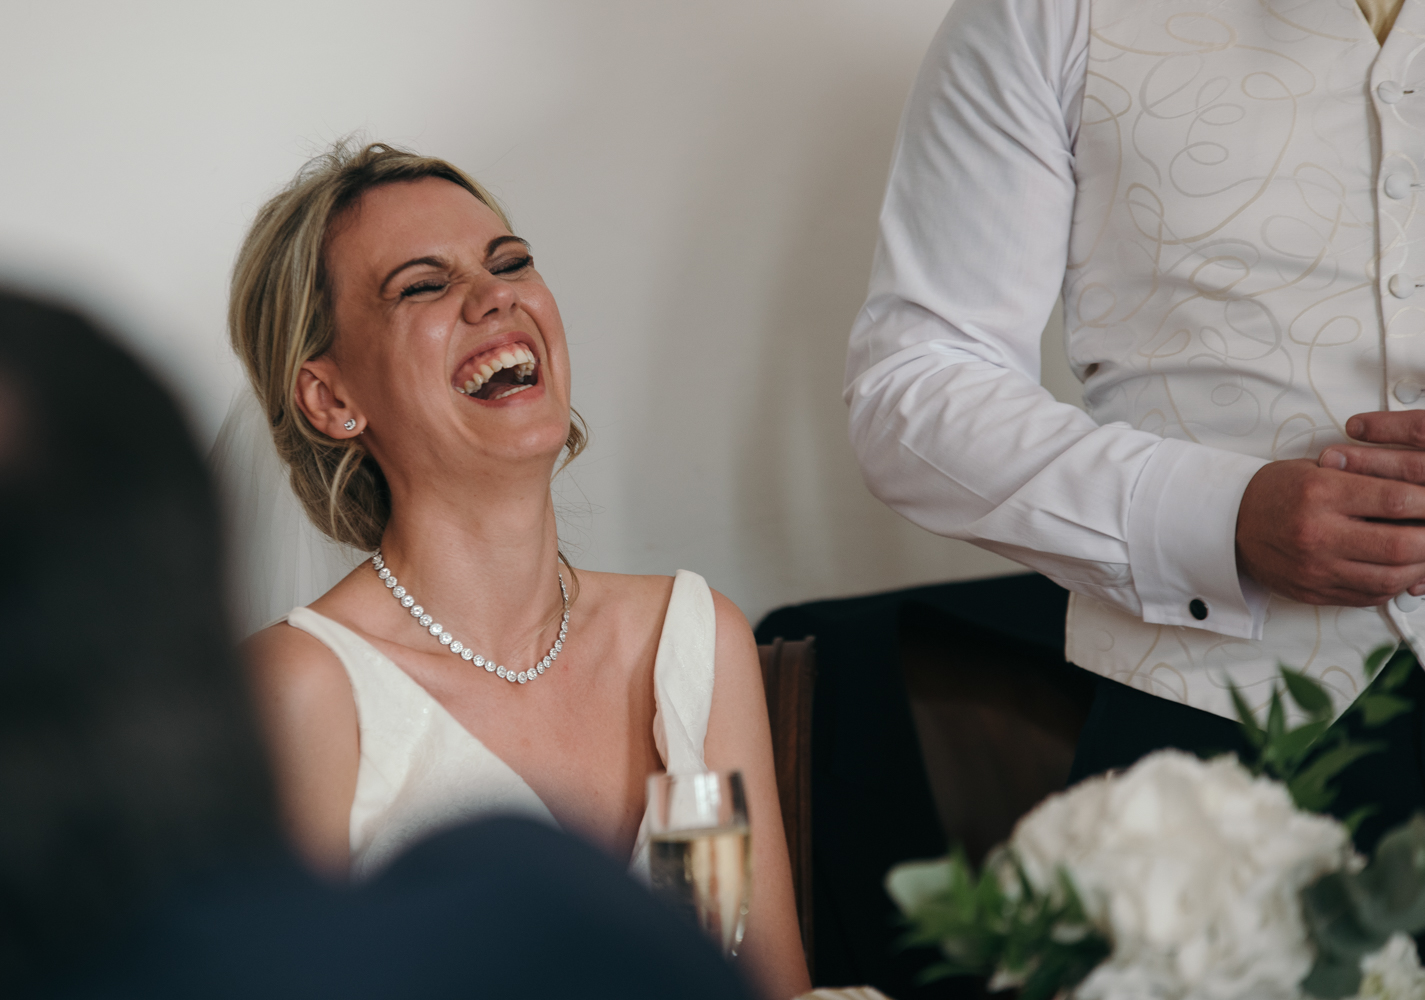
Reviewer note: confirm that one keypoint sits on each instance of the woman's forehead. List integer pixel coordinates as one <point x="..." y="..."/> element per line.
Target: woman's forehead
<point x="411" y="218"/>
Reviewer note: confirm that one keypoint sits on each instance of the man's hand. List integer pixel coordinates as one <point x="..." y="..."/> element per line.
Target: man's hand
<point x="1405" y="462"/>
<point x="1322" y="535"/>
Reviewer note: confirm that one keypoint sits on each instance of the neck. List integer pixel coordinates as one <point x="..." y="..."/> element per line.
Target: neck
<point x="484" y="564"/>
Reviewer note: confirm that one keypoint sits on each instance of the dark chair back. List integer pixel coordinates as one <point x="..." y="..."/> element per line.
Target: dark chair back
<point x="876" y="806"/>
<point x="789" y="676"/>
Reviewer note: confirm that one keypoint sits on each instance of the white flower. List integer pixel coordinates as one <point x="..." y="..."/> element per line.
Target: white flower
<point x="1193" y="869"/>
<point x="1393" y="973"/>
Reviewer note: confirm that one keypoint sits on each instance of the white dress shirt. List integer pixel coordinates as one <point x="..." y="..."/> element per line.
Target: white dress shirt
<point x="1133" y="510"/>
<point x="948" y="418"/>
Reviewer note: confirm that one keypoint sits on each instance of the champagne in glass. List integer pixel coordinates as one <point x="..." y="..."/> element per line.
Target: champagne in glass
<point x="700" y="854"/>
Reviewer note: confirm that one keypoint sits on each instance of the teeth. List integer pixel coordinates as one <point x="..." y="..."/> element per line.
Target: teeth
<point x="512" y="390"/>
<point x="520" y="358"/>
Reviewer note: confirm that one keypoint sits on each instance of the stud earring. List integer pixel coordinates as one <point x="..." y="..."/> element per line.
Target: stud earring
<point x="350" y="424"/>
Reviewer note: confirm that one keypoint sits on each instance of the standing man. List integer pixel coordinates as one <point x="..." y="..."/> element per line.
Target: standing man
<point x="1230" y="197"/>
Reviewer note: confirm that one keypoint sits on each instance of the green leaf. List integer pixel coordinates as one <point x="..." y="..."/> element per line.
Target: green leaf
<point x="1333" y="979"/>
<point x="1397" y="670"/>
<point x="1043" y="938"/>
<point x="940" y="970"/>
<point x="911" y="884"/>
<point x="1376" y="659"/>
<point x="1276" y="717"/>
<point x="1351" y="915"/>
<point x="1353" y="822"/>
<point x="1064" y="967"/>
<point x="1377" y="709"/>
<point x="1308" y="788"/>
<point x="1337" y="759"/>
<point x="1390" y="891"/>
<point x="1295" y="744"/>
<point x="1307" y="693"/>
<point x="1246" y="718"/>
<point x="1330" y="906"/>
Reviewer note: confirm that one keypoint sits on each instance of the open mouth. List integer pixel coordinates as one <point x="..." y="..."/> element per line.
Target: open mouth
<point x="498" y="375"/>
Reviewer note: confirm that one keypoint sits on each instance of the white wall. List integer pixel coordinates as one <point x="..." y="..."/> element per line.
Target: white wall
<point x="699" y="180"/>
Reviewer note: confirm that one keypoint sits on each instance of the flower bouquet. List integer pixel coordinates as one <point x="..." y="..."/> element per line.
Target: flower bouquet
<point x="1194" y="880"/>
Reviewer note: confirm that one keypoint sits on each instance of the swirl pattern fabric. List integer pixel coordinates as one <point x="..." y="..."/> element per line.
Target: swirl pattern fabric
<point x="1234" y="240"/>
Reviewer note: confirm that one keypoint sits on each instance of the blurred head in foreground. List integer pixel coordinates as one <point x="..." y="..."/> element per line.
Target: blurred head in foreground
<point x="128" y="754"/>
<point x="135" y="803"/>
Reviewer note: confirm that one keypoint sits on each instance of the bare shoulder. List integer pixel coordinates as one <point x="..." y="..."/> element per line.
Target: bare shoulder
<point x="288" y="664"/>
<point x="309" y="713"/>
<point x="625" y="586"/>
<point x="625" y="595"/>
<point x="736" y="647"/>
<point x="729" y="615"/>
<point x="649" y="595"/>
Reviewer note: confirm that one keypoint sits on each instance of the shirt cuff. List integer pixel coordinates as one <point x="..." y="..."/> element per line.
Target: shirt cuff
<point x="1182" y="540"/>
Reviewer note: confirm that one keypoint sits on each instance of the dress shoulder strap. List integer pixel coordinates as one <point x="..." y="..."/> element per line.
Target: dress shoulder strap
<point x="683" y="674"/>
<point x="383" y="691"/>
<point x="420" y="769"/>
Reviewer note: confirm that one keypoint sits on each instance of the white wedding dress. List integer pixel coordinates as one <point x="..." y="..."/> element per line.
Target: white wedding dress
<point x="422" y="771"/>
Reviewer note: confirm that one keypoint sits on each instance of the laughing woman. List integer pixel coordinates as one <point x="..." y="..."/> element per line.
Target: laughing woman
<point x="413" y="367"/>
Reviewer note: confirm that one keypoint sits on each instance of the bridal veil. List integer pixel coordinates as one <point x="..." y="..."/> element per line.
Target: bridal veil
<point x="278" y="558"/>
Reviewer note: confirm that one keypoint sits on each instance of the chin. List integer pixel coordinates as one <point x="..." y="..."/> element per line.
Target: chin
<point x="542" y="441"/>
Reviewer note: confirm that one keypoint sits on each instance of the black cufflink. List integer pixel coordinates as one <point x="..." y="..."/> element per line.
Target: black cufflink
<point x="1198" y="608"/>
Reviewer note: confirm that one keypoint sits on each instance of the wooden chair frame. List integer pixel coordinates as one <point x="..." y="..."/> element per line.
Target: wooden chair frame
<point x="789" y="677"/>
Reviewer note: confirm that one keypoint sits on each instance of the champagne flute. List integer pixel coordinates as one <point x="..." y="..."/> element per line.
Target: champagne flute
<point x="700" y="857"/>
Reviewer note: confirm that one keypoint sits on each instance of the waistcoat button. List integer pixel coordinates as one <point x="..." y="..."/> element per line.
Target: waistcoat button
<point x="1390" y="92"/>
<point x="1401" y="286"/>
<point x="1407" y="390"/>
<point x="1397" y="186"/>
<point x="1406" y="602"/>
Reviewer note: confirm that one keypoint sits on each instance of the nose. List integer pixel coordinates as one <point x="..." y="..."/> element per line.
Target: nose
<point x="487" y="297"/>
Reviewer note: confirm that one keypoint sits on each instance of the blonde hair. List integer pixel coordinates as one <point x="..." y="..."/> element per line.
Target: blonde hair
<point x="280" y="317"/>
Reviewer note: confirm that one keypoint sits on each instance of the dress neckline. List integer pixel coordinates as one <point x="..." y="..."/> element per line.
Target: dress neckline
<point x="400" y="676"/>
<point x="399" y="797"/>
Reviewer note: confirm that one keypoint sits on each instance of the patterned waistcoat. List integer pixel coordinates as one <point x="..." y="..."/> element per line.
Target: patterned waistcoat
<point x="1246" y="269"/>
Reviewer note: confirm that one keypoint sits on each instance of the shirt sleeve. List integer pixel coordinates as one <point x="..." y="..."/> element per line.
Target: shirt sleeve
<point x="948" y="419"/>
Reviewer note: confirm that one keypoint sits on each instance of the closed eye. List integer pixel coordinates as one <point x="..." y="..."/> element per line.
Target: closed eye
<point x="427" y="285"/>
<point x="513" y="266"/>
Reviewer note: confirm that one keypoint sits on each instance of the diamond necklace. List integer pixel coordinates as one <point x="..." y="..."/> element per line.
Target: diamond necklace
<point x="459" y="648"/>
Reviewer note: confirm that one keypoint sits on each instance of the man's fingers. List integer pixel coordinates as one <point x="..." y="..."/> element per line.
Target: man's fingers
<point x="1373" y="584"/>
<point x="1350" y="583"/>
<point x="1357" y="585"/>
<point x="1368" y="497"/>
<point x="1383" y="463"/>
<point x="1385" y="545"/>
<point x="1370" y="557"/>
<point x="1326" y="536"/>
<point x="1406" y="427"/>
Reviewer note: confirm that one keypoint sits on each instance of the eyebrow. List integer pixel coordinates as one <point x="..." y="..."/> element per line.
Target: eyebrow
<point x="490" y="248"/>
<point x="500" y="241"/>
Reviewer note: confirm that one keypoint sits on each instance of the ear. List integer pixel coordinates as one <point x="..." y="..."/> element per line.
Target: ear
<point x="320" y="398"/>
